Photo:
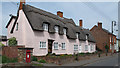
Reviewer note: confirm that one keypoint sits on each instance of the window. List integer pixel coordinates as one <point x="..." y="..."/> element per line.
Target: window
<point x="56" y="45"/>
<point x="45" y="27"/>
<point x="91" y="47"/>
<point x="77" y="34"/>
<point x="110" y="46"/>
<point x="56" y="29"/>
<point x="80" y="48"/>
<point x="42" y="44"/>
<point x="86" y="47"/>
<point x="17" y="27"/>
<point x="65" y="31"/>
<point x="75" y="47"/>
<point x="63" y="45"/>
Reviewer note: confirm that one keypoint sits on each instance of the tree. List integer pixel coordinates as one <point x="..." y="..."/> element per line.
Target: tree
<point x="106" y="47"/>
<point x="12" y="41"/>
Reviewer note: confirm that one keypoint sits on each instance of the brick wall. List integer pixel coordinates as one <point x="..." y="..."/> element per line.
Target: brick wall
<point x="10" y="51"/>
<point x="101" y="37"/>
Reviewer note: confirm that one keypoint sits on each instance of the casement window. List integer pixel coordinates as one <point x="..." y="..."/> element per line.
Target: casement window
<point x="75" y="47"/>
<point x="65" y="31"/>
<point x="86" y="47"/>
<point x="77" y="35"/>
<point x="110" y="46"/>
<point x="17" y="27"/>
<point x="80" y="48"/>
<point x="42" y="44"/>
<point x="91" y="47"/>
<point x="56" y="29"/>
<point x="63" y="46"/>
<point x="56" y="45"/>
<point x="45" y="27"/>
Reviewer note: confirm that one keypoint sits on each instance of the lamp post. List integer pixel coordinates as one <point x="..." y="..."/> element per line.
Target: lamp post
<point x="113" y="24"/>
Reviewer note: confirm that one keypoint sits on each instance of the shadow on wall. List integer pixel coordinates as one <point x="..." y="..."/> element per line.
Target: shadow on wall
<point x="72" y="40"/>
<point x="39" y="33"/>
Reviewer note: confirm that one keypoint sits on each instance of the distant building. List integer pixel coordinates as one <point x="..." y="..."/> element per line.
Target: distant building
<point x="117" y="45"/>
<point x="49" y="33"/>
<point x="103" y="37"/>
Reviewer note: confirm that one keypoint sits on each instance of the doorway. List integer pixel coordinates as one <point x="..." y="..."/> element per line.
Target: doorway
<point x="50" y="42"/>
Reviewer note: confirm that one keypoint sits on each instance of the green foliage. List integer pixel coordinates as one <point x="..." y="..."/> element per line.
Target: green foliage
<point x="8" y="60"/>
<point x="42" y="61"/>
<point x="107" y="47"/>
<point x="34" y="58"/>
<point x="1" y="44"/>
<point x="12" y="41"/>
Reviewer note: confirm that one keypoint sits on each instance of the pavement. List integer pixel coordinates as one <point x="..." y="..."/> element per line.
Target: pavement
<point x="96" y="61"/>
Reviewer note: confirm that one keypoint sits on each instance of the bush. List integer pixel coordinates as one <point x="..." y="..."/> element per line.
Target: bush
<point x="42" y="61"/>
<point x="34" y="58"/>
<point x="12" y="41"/>
<point x="8" y="60"/>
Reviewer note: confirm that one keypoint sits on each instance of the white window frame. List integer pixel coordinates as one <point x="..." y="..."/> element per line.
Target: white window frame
<point x="56" y="47"/>
<point x="56" y="29"/>
<point x="110" y="46"/>
<point x="77" y="35"/>
<point x="45" y="26"/>
<point x="86" y="47"/>
<point x="42" y="44"/>
<point x="75" y="47"/>
<point x="65" y="31"/>
<point x="63" y="46"/>
<point x="80" y="48"/>
<point x="91" y="47"/>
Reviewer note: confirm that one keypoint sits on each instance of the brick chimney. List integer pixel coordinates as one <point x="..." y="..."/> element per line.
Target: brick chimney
<point x="100" y="25"/>
<point x="21" y="4"/>
<point x="60" y="14"/>
<point x="80" y="23"/>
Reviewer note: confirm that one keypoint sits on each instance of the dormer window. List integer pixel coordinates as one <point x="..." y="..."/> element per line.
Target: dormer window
<point x="56" y="29"/>
<point x="65" y="31"/>
<point x="77" y="34"/>
<point x="45" y="27"/>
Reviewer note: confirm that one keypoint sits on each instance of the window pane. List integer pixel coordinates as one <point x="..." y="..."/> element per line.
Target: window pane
<point x="55" y="45"/>
<point x="75" y="47"/>
<point x="63" y="45"/>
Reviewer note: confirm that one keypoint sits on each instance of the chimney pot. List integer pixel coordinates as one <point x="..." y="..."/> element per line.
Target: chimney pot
<point x="100" y="25"/>
<point x="80" y="23"/>
<point x="60" y="14"/>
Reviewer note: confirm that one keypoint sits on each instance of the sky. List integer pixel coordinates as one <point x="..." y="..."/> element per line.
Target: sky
<point x="90" y="12"/>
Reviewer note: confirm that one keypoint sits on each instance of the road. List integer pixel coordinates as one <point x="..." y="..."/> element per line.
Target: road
<point x="111" y="61"/>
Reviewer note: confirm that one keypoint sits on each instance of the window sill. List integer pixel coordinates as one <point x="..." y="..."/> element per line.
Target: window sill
<point x="42" y="48"/>
<point x="55" y="49"/>
<point x="63" y="49"/>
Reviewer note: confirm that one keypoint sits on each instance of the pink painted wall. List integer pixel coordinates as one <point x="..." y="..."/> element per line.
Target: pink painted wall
<point x="26" y="36"/>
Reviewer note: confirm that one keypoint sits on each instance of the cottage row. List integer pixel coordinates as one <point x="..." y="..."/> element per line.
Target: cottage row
<point x="49" y="33"/>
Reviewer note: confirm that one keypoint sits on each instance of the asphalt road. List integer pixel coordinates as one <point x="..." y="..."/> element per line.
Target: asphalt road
<point x="111" y="61"/>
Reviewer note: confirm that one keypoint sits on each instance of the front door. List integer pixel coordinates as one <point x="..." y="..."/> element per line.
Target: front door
<point x="50" y="46"/>
<point x="28" y="56"/>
